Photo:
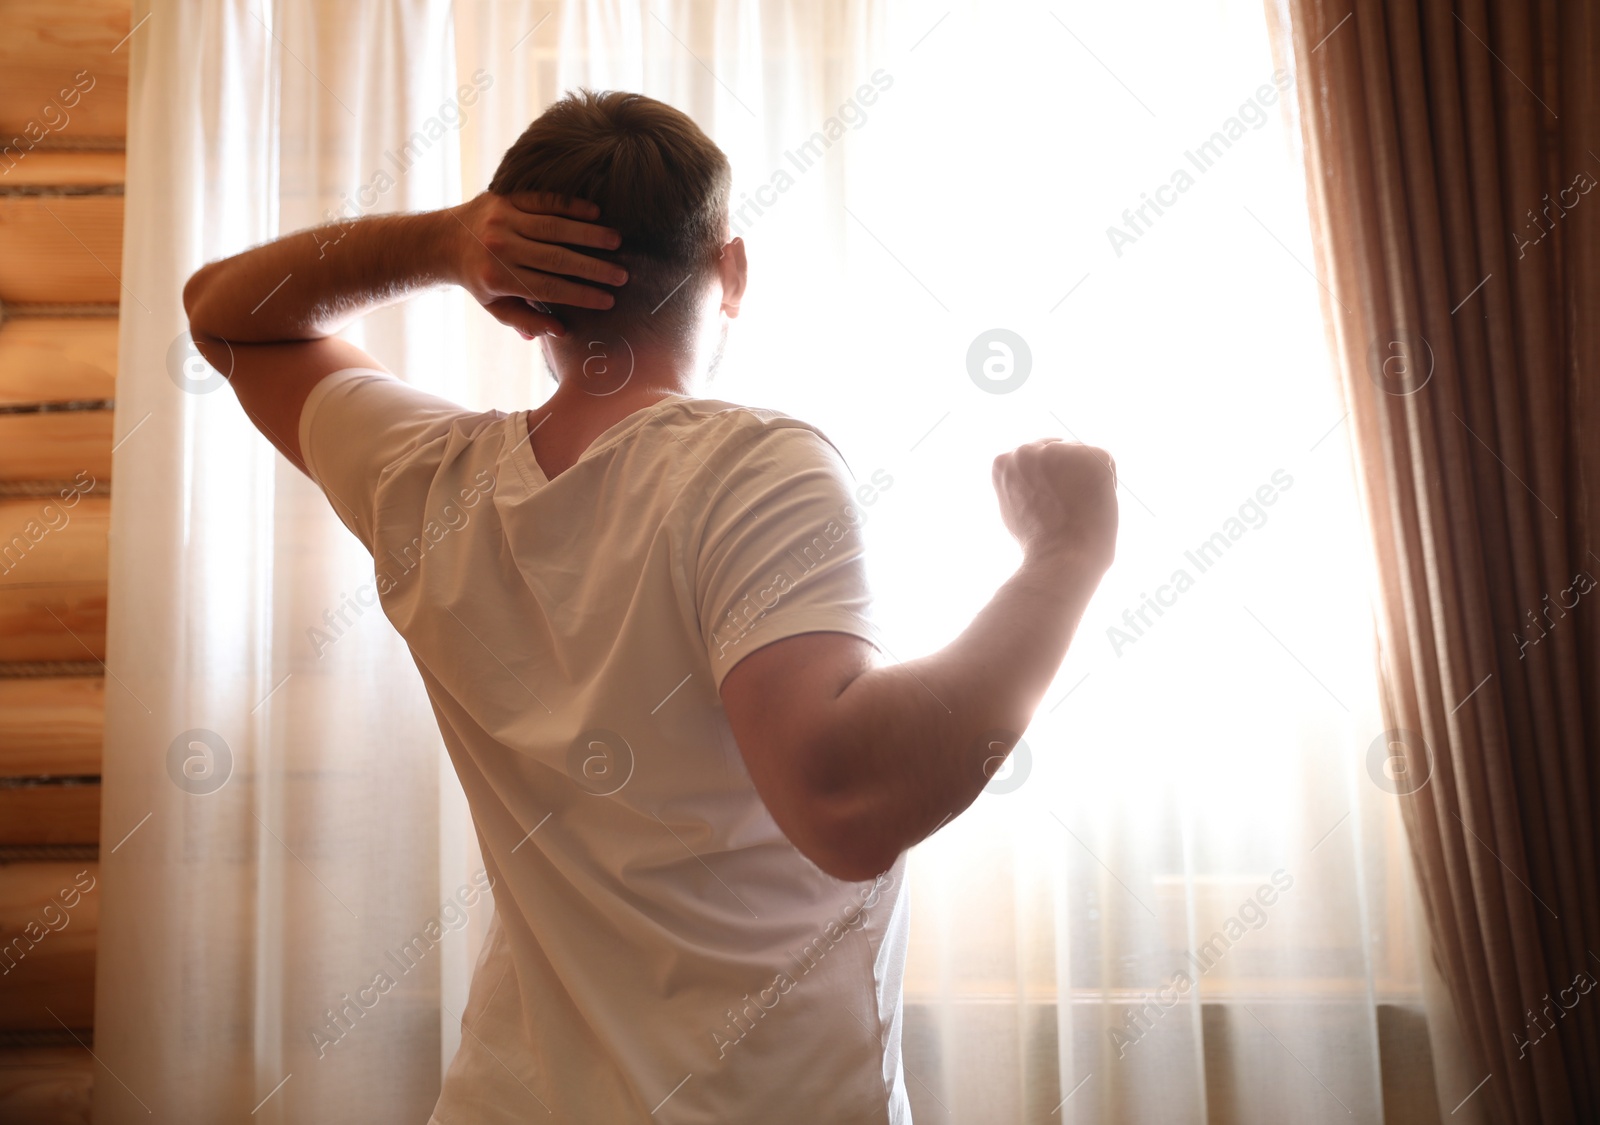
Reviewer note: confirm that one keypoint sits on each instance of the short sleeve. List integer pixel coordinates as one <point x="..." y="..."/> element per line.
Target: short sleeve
<point x="356" y="424"/>
<point x="782" y="551"/>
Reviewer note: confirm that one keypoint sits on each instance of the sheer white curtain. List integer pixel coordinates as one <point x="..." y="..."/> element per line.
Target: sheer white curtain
<point x="275" y="830"/>
<point x="910" y="178"/>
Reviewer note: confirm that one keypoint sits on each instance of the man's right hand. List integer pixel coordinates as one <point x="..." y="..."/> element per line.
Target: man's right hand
<point x="1059" y="499"/>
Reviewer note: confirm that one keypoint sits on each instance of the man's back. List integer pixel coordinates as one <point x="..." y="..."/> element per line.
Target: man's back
<point x="658" y="944"/>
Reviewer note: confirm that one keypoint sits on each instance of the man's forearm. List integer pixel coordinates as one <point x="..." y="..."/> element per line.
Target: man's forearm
<point x="919" y="741"/>
<point x="305" y="285"/>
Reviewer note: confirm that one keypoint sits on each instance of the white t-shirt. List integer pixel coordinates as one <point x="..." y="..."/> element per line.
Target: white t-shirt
<point x="659" y="951"/>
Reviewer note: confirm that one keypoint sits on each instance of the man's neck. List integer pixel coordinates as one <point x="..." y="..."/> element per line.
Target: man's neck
<point x="603" y="368"/>
<point x="587" y="402"/>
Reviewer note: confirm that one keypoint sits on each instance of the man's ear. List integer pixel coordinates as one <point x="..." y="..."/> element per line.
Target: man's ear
<point x="734" y="272"/>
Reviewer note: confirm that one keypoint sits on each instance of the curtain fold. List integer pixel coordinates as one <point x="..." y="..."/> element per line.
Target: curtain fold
<point x="1450" y="155"/>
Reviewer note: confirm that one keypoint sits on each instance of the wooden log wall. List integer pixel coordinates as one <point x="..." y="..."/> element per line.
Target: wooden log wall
<point x="63" y="123"/>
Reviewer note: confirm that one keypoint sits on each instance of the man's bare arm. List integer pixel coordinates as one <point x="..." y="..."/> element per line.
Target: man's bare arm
<point x="306" y="285"/>
<point x="858" y="761"/>
<point x="265" y="318"/>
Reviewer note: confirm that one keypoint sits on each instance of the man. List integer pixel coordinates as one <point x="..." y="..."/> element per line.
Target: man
<point x="648" y="643"/>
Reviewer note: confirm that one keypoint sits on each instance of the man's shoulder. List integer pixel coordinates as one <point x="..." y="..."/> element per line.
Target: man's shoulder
<point x="732" y="415"/>
<point x="737" y="429"/>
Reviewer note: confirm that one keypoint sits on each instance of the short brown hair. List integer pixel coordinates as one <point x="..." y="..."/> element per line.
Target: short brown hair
<point x="657" y="179"/>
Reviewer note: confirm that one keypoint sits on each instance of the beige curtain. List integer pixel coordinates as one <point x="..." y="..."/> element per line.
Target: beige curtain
<point x="1451" y="153"/>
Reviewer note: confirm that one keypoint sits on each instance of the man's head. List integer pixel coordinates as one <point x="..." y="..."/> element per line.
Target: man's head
<point x="661" y="183"/>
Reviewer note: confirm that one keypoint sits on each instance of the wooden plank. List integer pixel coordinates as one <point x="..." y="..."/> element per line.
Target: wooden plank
<point x="58" y="621"/>
<point x="44" y="168"/>
<point x="64" y="249"/>
<point x="56" y="445"/>
<point x="45" y="46"/>
<point x="54" y="539"/>
<point x="51" y="725"/>
<point x="49" y="927"/>
<point x="46" y="1085"/>
<point x="53" y="567"/>
<point x="57" y="359"/>
<point x="50" y="814"/>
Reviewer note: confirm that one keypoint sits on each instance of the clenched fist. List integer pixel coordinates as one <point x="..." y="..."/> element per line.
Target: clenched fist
<point x="1059" y="499"/>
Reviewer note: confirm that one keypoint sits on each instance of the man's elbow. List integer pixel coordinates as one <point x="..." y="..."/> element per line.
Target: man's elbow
<point x="848" y="842"/>
<point x="859" y="867"/>
<point x="191" y="298"/>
